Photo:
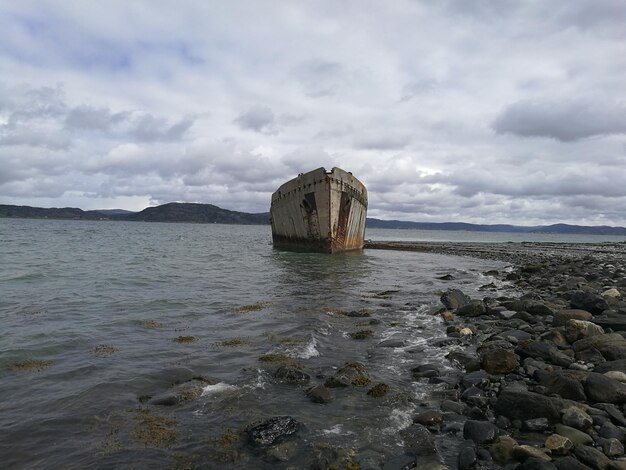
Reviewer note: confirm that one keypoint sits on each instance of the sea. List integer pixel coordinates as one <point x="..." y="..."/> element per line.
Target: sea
<point x="155" y="345"/>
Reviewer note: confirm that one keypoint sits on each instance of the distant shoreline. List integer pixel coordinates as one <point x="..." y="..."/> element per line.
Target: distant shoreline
<point x="208" y="213"/>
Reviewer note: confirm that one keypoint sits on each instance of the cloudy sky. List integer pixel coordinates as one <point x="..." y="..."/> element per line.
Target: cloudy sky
<point x="470" y="110"/>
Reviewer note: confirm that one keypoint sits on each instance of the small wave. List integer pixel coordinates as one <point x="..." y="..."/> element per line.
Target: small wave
<point x="309" y="350"/>
<point x="336" y="430"/>
<point x="217" y="388"/>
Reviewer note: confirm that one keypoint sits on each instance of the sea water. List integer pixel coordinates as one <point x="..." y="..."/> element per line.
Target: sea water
<point x="100" y="319"/>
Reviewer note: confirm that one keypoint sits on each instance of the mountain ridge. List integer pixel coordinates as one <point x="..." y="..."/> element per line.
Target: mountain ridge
<point x="209" y="213"/>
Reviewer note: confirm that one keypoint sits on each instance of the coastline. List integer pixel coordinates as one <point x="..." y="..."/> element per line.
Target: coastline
<point x="541" y="378"/>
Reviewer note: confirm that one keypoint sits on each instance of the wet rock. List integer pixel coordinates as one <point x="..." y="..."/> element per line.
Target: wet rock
<point x="519" y="404"/>
<point x="273" y="430"/>
<point x="592" y="457"/>
<point x="576" y="418"/>
<point x="353" y="373"/>
<point x="616" y="375"/>
<point x="587" y="300"/>
<point x="612" y="346"/>
<point x="534" y="463"/>
<point x="454" y="298"/>
<point x="282" y="452"/>
<point x="479" y="378"/>
<point x="500" y="361"/>
<point x="612" y="448"/>
<point x="466" y="457"/>
<point x="502" y="449"/>
<point x="362" y="334"/>
<point x="601" y="389"/>
<point x="319" y="394"/>
<point x="392" y="343"/>
<point x="613" y="412"/>
<point x="558" y="445"/>
<point x="563" y="316"/>
<point x="418" y="441"/>
<point x="569" y="463"/>
<point x="535" y="349"/>
<point x="577" y="437"/>
<point x="561" y="384"/>
<point x="535" y="425"/>
<point x="425" y="371"/>
<point x="610" y="431"/>
<point x="474" y="308"/>
<point x="578" y="329"/>
<point x="618" y="365"/>
<point x="453" y="406"/>
<point x="481" y="432"/>
<point x="428" y="418"/>
<point x="524" y="452"/>
<point x="401" y="462"/>
<point x="378" y="390"/>
<point x="291" y="375"/>
<point x="467" y="361"/>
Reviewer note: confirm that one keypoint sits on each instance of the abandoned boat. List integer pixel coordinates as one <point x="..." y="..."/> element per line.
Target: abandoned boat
<point x="320" y="210"/>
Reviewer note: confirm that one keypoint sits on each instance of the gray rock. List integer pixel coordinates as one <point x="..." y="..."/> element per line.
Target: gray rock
<point x="319" y="394"/>
<point x="613" y="448"/>
<point x="533" y="463"/>
<point x="563" y="316"/>
<point x="569" y="463"/>
<point x="481" y="432"/>
<point x="273" y="430"/>
<point x="418" y="441"/>
<point x="577" y="437"/>
<point x="601" y="389"/>
<point x="401" y="462"/>
<point x="500" y="361"/>
<point x="291" y="375"/>
<point x="617" y="365"/>
<point x="592" y="457"/>
<point x="576" y="418"/>
<point x="474" y="308"/>
<point x="453" y="406"/>
<point x="428" y="418"/>
<point x="610" y="431"/>
<point x="561" y="384"/>
<point x="466" y="458"/>
<point x="612" y="346"/>
<point x="586" y="300"/>
<point x="282" y="452"/>
<point x="523" y="405"/>
<point x="535" y="425"/>
<point x="453" y="299"/>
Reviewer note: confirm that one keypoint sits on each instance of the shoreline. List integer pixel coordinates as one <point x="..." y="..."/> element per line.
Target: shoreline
<point x="541" y="377"/>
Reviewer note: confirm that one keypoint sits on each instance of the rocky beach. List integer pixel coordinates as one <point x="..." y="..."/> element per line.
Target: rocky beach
<point x="540" y="378"/>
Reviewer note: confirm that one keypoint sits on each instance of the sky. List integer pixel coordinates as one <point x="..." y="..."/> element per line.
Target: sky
<point x="473" y="111"/>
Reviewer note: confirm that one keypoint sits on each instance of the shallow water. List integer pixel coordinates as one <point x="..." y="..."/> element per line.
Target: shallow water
<point x="102" y="304"/>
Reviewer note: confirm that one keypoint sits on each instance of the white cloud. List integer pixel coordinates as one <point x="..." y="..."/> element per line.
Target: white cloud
<point x="476" y="111"/>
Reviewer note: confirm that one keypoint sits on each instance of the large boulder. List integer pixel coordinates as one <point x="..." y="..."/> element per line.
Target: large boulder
<point x="481" y="432"/>
<point x="500" y="361"/>
<point x="454" y="299"/>
<point x="563" y="316"/>
<point x="564" y="384"/>
<point x="418" y="441"/>
<point x="612" y="346"/>
<point x="523" y="405"/>
<point x="602" y="389"/>
<point x="587" y="300"/>
<point x="474" y="308"/>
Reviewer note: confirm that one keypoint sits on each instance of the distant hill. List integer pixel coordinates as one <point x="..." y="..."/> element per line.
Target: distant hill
<point x="199" y="213"/>
<point x="208" y="214"/>
<point x="172" y="212"/>
<point x="555" y="228"/>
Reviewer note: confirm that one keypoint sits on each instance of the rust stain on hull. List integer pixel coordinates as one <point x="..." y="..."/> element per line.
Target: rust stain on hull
<point x="320" y="210"/>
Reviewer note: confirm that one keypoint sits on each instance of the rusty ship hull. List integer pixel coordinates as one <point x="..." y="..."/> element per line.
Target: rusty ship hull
<point x="320" y="210"/>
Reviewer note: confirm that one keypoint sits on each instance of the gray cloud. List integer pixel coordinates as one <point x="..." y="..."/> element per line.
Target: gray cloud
<point x="88" y="117"/>
<point x="319" y="77"/>
<point x="257" y="118"/>
<point x="147" y="128"/>
<point x="566" y="121"/>
<point x="381" y="142"/>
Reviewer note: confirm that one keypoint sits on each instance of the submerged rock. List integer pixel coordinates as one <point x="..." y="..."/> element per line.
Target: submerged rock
<point x="273" y="430"/>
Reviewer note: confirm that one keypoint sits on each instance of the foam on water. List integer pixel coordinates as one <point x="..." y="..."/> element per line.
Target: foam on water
<point x="217" y="388"/>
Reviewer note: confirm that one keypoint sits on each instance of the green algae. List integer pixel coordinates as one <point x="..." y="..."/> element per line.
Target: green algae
<point x="185" y="339"/>
<point x="29" y="365"/>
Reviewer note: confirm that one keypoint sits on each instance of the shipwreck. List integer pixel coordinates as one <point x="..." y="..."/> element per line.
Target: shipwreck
<point x="321" y="211"/>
